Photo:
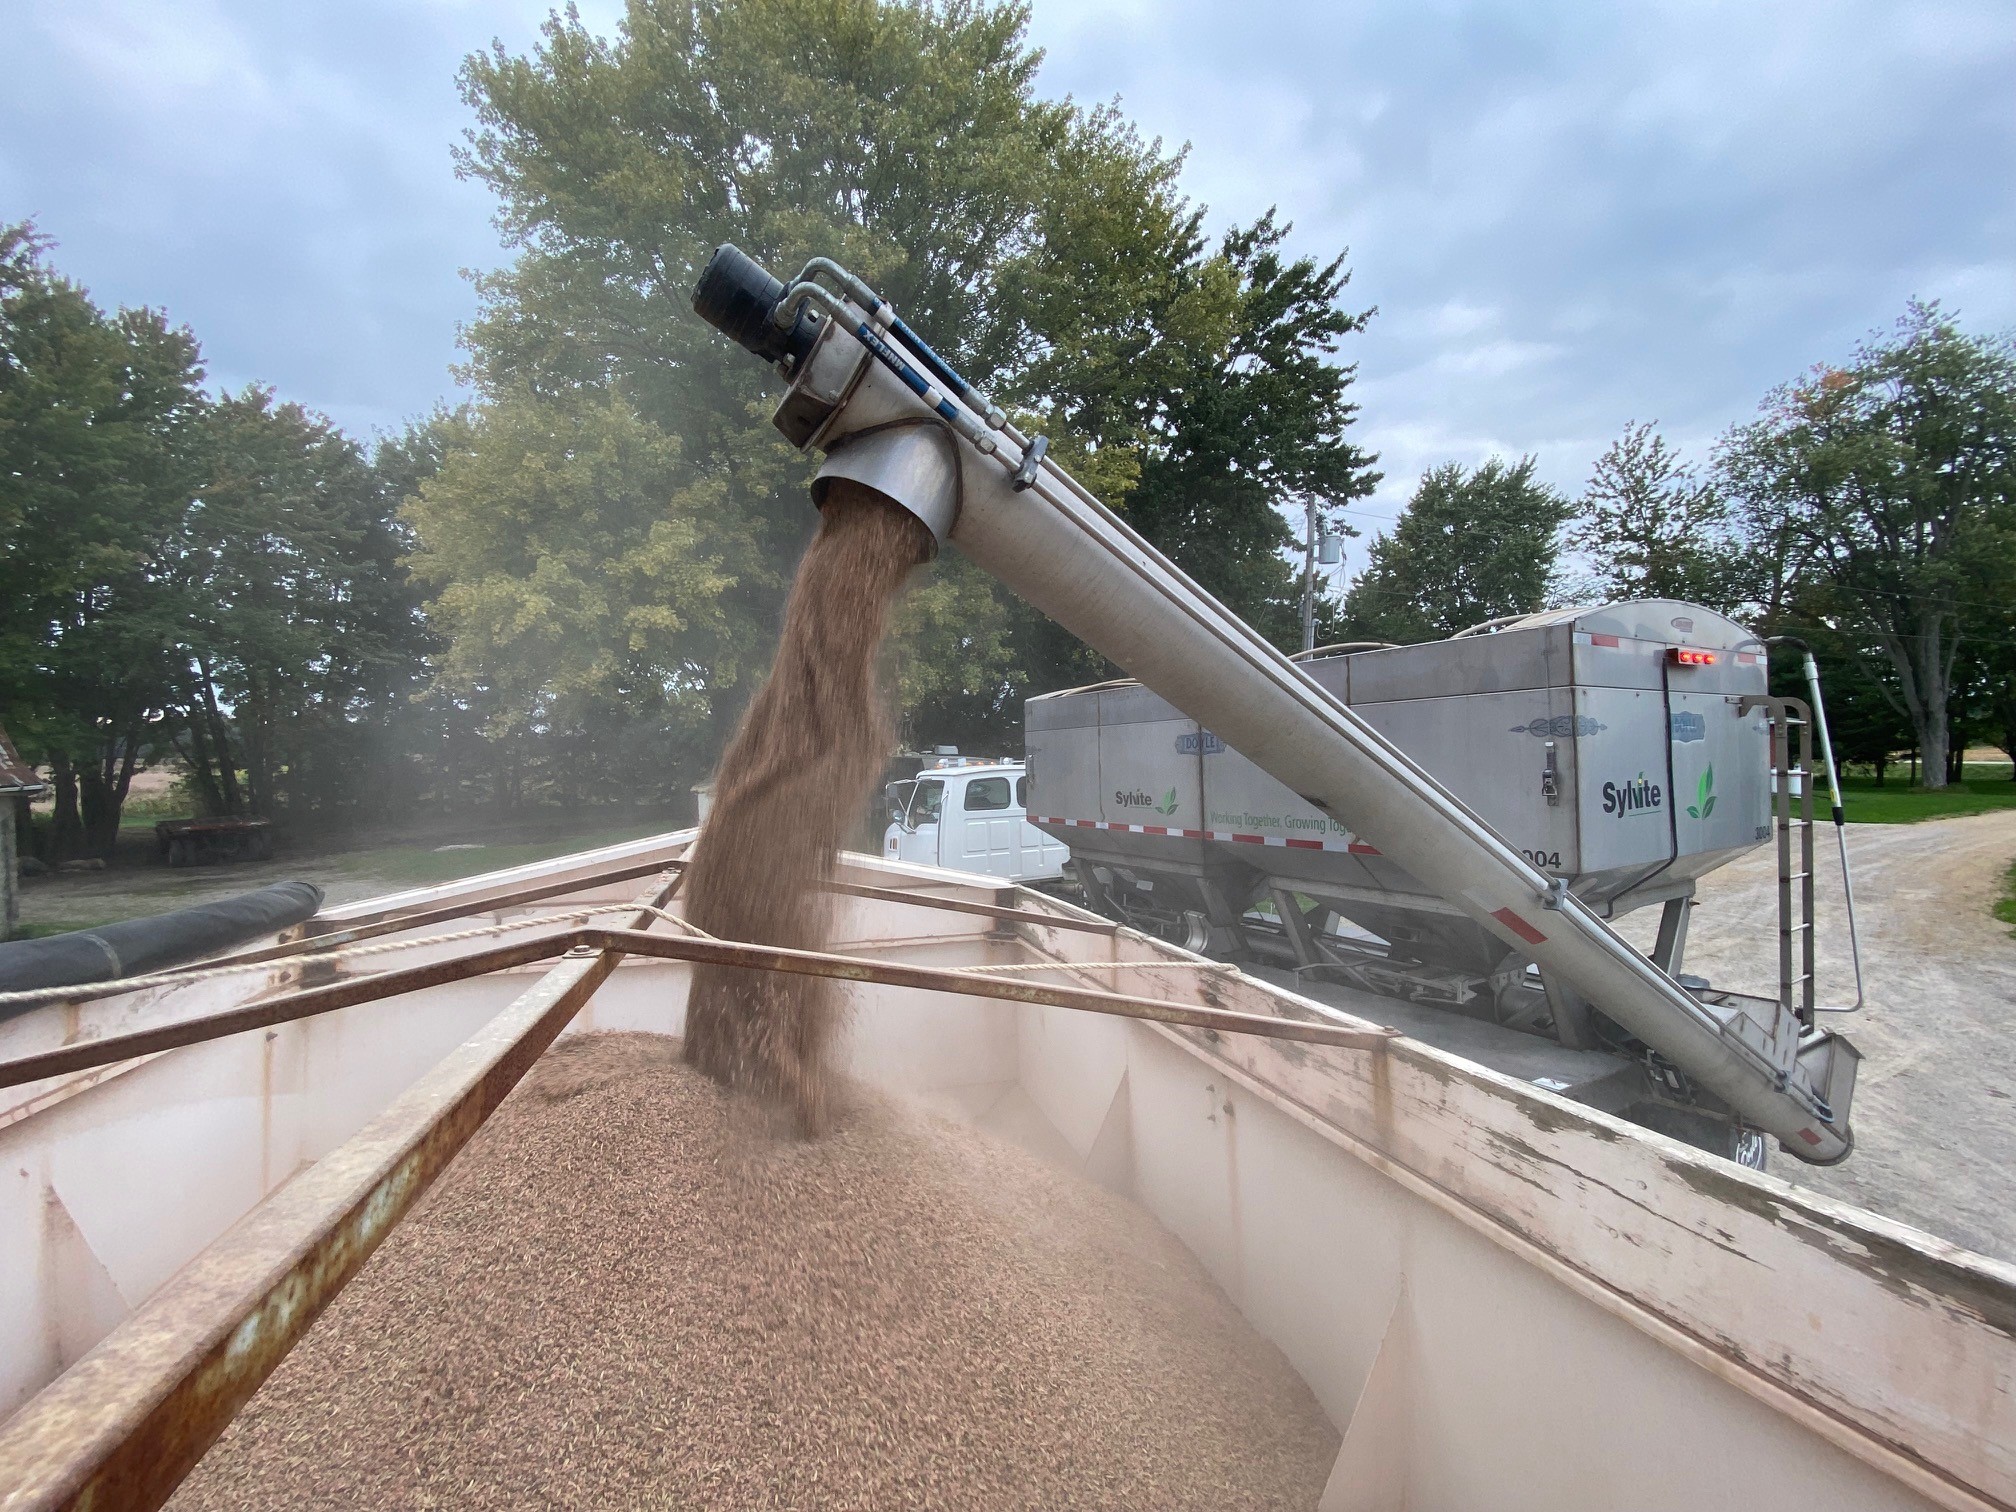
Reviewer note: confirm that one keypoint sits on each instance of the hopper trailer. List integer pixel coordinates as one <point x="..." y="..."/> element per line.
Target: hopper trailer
<point x="1623" y="751"/>
<point x="1499" y="1299"/>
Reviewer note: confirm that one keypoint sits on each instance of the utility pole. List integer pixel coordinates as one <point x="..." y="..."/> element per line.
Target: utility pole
<point x="1319" y="549"/>
<point x="1309" y="576"/>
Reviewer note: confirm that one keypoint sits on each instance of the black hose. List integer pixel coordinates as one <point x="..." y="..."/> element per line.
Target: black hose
<point x="138" y="946"/>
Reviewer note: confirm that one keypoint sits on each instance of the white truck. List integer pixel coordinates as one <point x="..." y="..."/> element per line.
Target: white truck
<point x="970" y="814"/>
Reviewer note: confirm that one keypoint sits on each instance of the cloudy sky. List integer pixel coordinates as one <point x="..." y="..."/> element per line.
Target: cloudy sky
<point x="1569" y="215"/>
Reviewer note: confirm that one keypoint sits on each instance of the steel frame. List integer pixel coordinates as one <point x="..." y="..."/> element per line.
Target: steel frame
<point x="307" y="1002"/>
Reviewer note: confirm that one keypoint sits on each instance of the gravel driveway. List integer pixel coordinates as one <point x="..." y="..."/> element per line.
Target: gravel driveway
<point x="1935" y="1108"/>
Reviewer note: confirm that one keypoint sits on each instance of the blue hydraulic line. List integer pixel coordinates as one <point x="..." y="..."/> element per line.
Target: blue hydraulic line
<point x="870" y="301"/>
<point x="864" y="331"/>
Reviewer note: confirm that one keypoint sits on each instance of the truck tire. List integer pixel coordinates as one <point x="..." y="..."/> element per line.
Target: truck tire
<point x="1748" y="1147"/>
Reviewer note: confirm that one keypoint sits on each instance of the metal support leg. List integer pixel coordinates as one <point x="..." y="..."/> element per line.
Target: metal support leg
<point x="1672" y="944"/>
<point x="1227" y="939"/>
<point x="1570" y="1010"/>
<point x="1295" y="924"/>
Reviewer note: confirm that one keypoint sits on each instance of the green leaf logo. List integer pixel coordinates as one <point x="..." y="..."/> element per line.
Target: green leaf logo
<point x="1168" y="804"/>
<point x="1704" y="796"/>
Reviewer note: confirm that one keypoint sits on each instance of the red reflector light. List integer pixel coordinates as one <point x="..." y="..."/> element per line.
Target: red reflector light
<point x="1687" y="656"/>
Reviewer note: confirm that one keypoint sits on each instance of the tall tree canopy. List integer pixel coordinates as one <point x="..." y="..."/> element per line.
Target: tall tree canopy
<point x="219" y="577"/>
<point x="1893" y="483"/>
<point x="97" y="420"/>
<point x="1260" y="419"/>
<point x="1471" y="546"/>
<point x="293" y="612"/>
<point x="562" y="544"/>
<point x="1043" y="246"/>
<point x="1651" y="527"/>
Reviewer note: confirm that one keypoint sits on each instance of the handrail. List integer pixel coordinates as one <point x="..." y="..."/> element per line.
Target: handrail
<point x="1338" y="647"/>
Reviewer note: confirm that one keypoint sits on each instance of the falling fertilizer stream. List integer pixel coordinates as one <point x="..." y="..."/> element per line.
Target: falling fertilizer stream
<point x="793" y="778"/>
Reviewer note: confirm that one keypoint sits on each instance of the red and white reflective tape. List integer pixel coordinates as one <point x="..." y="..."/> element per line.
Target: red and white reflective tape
<point x="1519" y="926"/>
<point x="1353" y="847"/>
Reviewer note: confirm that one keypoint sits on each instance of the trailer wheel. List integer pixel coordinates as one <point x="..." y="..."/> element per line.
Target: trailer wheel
<point x="1749" y="1147"/>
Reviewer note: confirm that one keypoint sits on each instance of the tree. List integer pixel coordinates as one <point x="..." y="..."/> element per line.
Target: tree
<point x="296" y="635"/>
<point x="905" y="140"/>
<point x="1254" y="423"/>
<point x="1993" y="646"/>
<point x="97" y="415"/>
<point x="577" y="567"/>
<point x="1864" y="718"/>
<point x="1044" y="247"/>
<point x="1242" y="412"/>
<point x="1894" y="481"/>
<point x="1471" y="547"/>
<point x="1652" y="528"/>
<point x="216" y="578"/>
<point x="2002" y="696"/>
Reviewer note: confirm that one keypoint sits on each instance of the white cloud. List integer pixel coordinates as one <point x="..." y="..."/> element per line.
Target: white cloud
<point x="154" y="56"/>
<point x="1570" y="214"/>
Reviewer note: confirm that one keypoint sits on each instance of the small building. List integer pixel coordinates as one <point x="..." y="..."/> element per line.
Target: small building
<point x="19" y="786"/>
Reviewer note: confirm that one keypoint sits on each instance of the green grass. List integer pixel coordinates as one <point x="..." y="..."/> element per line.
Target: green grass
<point x="421" y="866"/>
<point x="1896" y="803"/>
<point x="147" y="819"/>
<point x="2006" y="909"/>
<point x="145" y="813"/>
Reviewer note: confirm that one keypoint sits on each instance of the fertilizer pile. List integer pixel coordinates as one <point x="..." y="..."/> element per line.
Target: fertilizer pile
<point x="791" y="783"/>
<point x="627" y="1293"/>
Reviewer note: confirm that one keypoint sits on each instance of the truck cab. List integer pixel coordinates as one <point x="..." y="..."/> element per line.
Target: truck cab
<point x="971" y="814"/>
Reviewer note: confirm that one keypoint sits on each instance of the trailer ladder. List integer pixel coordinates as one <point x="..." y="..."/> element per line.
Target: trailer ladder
<point x="1792" y="819"/>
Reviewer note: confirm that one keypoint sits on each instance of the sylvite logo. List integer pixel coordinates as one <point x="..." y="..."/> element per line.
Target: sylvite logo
<point x="1704" y="796"/>
<point x="1638" y="796"/>
<point x="1135" y="798"/>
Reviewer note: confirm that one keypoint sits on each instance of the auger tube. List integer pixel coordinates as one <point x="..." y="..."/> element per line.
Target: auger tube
<point x="1069" y="556"/>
